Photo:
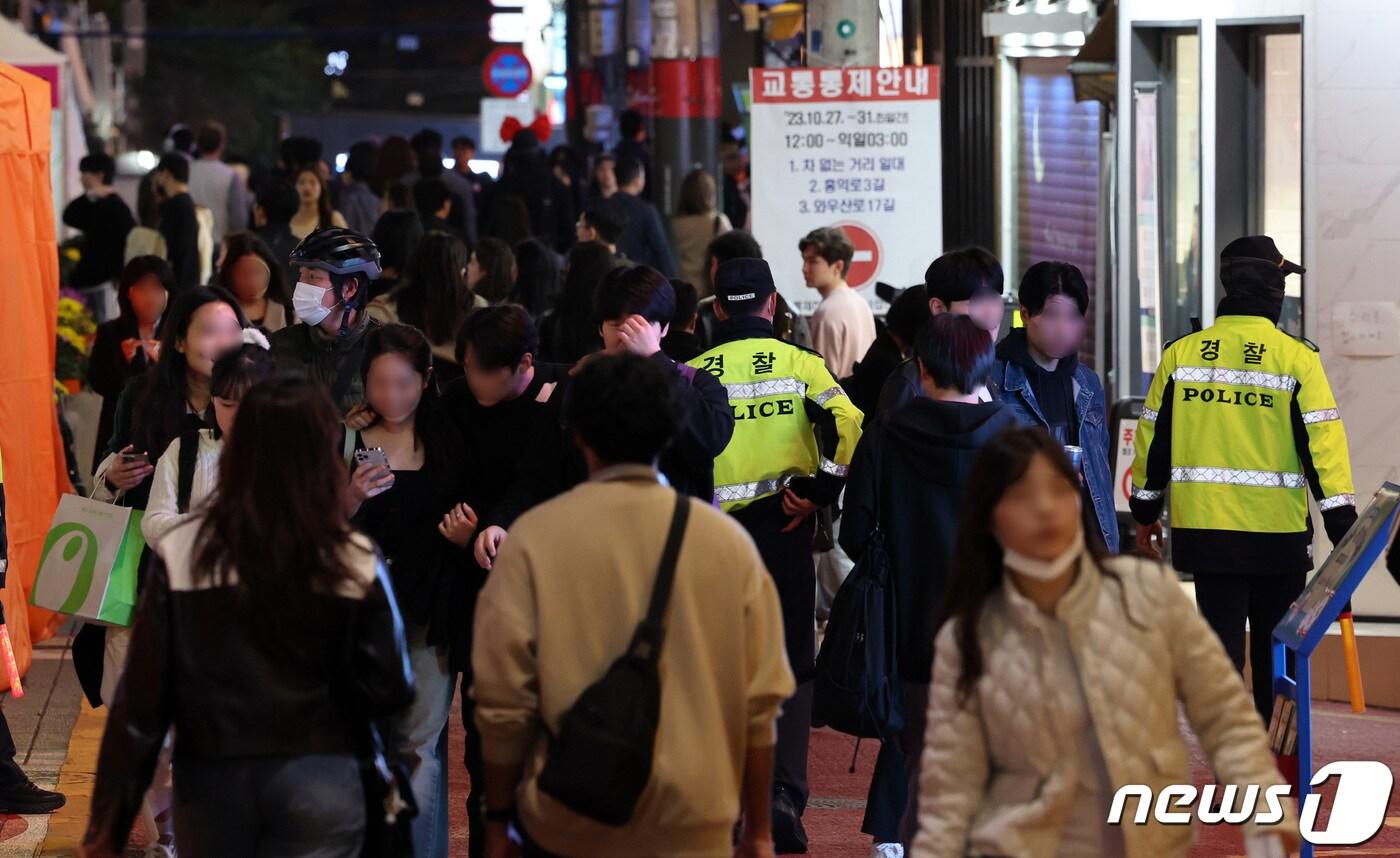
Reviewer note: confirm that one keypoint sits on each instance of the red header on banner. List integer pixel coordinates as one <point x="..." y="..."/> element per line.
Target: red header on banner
<point x="843" y="84"/>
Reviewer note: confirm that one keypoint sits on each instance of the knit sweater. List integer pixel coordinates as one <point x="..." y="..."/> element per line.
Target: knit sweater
<point x="162" y="512"/>
<point x="571" y="584"/>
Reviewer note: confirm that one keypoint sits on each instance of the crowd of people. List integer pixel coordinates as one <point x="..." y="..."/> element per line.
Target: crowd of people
<point x="410" y="433"/>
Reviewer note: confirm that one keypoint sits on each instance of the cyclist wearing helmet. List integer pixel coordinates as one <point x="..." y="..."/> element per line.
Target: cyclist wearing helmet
<point x="334" y="268"/>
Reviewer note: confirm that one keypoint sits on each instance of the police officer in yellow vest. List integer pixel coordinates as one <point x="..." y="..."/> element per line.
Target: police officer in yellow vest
<point x="776" y="472"/>
<point x="1241" y="422"/>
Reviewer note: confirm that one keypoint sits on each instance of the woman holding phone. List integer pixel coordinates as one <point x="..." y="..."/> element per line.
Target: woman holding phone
<point x="403" y="495"/>
<point x="204" y="322"/>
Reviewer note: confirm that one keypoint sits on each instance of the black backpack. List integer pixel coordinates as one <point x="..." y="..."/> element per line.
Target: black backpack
<point x="855" y="686"/>
<point x="600" y="761"/>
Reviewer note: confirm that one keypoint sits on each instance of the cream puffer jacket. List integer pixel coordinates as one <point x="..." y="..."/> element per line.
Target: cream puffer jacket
<point x="996" y="781"/>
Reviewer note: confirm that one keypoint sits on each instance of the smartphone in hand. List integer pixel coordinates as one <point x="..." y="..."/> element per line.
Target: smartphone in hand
<point x="371" y="457"/>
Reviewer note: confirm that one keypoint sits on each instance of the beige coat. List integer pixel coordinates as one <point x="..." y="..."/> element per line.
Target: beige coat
<point x="994" y="778"/>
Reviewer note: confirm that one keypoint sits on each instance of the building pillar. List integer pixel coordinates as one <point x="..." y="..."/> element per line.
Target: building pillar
<point x="686" y="95"/>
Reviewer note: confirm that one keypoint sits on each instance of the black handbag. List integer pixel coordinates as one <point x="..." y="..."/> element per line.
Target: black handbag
<point x="600" y="760"/>
<point x="390" y="807"/>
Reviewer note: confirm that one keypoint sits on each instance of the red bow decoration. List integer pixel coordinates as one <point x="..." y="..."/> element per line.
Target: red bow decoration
<point x="540" y="125"/>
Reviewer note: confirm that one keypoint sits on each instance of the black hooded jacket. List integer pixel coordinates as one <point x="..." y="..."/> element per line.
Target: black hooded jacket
<point x="909" y="475"/>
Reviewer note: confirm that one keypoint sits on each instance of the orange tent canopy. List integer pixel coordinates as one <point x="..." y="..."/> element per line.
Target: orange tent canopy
<point x="35" y="470"/>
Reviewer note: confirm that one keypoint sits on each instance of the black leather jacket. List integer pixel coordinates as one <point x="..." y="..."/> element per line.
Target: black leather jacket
<point x="230" y="693"/>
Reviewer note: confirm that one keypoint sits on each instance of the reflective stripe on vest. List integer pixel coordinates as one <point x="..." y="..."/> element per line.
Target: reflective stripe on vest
<point x="748" y="491"/>
<point x="829" y="394"/>
<point x="1239" y="377"/>
<point x="830" y="467"/>
<point x="1149" y="415"/>
<point x="1324" y="416"/>
<point x="1336" y="502"/>
<point x="768" y="387"/>
<point x="1146" y="495"/>
<point x="1239" y="477"/>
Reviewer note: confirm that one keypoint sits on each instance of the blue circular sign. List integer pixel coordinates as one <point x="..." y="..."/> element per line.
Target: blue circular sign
<point x="507" y="72"/>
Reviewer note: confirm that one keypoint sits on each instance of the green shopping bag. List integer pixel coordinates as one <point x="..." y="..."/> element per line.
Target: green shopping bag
<point x="90" y="561"/>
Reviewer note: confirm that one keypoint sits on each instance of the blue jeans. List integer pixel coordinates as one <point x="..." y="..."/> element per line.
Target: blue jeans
<point x="280" y="807"/>
<point x="425" y="750"/>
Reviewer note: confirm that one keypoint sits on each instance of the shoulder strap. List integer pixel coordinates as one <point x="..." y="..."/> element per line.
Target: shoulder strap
<point x="348" y="449"/>
<point x="879" y="463"/>
<point x="346" y="375"/>
<point x="646" y="642"/>
<point x="666" y="573"/>
<point x="188" y="461"/>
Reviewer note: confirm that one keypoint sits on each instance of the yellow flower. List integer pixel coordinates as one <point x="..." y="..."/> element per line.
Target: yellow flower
<point x="74" y="339"/>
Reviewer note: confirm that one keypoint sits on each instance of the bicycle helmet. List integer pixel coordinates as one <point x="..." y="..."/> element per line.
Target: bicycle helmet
<point x="338" y="251"/>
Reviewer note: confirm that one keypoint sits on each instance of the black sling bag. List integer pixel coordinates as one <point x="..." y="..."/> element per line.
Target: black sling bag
<point x="600" y="760"/>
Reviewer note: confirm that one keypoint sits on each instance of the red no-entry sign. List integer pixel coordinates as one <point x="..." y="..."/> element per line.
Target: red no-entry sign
<point x="866" y="261"/>
<point x="506" y="72"/>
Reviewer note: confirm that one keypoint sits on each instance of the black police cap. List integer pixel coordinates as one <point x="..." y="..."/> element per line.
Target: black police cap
<point x="1257" y="249"/>
<point x="743" y="284"/>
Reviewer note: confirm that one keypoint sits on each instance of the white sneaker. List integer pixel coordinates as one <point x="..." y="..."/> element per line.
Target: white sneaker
<point x="887" y="850"/>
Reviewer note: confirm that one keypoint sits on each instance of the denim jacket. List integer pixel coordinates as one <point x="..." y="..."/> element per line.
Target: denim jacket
<point x="1091" y="408"/>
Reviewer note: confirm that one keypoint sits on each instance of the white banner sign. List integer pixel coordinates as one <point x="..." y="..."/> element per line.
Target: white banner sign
<point x="858" y="148"/>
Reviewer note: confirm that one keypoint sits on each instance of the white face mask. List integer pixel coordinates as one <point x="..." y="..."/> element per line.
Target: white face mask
<point x="306" y="302"/>
<point x="1045" y="570"/>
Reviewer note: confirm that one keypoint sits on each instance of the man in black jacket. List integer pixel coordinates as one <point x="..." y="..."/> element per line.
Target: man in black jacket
<point x="968" y="281"/>
<point x="178" y="223"/>
<point x="644" y="237"/>
<point x="636" y="305"/>
<point x="335" y="268"/>
<point x="105" y="220"/>
<point x="496" y="409"/>
<point x="907" y="479"/>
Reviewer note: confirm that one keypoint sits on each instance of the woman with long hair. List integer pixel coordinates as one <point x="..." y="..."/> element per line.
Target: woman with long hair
<point x="408" y="506"/>
<point x="185" y="476"/>
<point x="570" y="330"/>
<point x="698" y="221"/>
<point x="268" y="638"/>
<point x="434" y="298"/>
<point x="314" y="211"/>
<point x="536" y="277"/>
<point x="491" y="270"/>
<point x="396" y="234"/>
<point x="258" y="279"/>
<point x="1057" y="678"/>
<point x="128" y="345"/>
<point x="204" y="322"/>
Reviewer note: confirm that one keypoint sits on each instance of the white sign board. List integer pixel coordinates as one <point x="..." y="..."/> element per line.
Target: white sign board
<point x="858" y="148"/>
<point x="1123" y="464"/>
<point x="495" y="111"/>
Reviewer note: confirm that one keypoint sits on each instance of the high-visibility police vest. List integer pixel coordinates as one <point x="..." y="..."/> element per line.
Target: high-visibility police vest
<point x="777" y="391"/>
<point x="1240" y="420"/>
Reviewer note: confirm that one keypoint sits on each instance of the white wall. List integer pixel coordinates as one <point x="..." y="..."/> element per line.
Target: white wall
<point x="1351" y="202"/>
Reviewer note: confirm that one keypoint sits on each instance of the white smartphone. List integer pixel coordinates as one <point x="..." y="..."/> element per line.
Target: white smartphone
<point x="371" y="456"/>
